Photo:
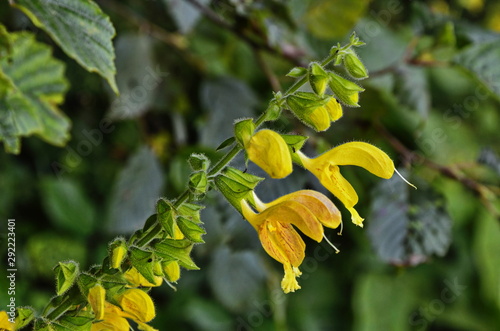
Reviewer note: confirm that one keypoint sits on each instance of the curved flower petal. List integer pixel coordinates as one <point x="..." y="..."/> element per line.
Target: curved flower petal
<point x="137" y="305"/>
<point x="362" y="155"/>
<point x="269" y="151"/>
<point x="320" y="206"/>
<point x="282" y="243"/>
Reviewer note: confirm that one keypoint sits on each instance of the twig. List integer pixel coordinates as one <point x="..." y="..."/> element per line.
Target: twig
<point x="271" y="77"/>
<point x="412" y="157"/>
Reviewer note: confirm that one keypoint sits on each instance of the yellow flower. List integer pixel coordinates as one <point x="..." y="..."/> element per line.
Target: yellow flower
<point x="361" y="154"/>
<point x="269" y="151"/>
<point x="97" y="298"/>
<point x="5" y="324"/>
<point x="135" y="279"/>
<point x="137" y="305"/>
<point x="112" y="320"/>
<point x="307" y="210"/>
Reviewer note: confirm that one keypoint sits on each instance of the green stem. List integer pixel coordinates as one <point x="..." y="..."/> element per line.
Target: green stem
<point x="59" y="310"/>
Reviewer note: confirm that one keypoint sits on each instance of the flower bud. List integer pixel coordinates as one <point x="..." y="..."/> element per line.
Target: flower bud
<point x="318" y="78"/>
<point x="199" y="162"/>
<point x="243" y="130"/>
<point x="354" y="66"/>
<point x="172" y="270"/>
<point x="118" y="251"/>
<point x="270" y="152"/>
<point x="96" y="299"/>
<point x="345" y="91"/>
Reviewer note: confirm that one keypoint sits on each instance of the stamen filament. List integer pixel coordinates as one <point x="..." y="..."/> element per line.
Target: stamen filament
<point x="404" y="179"/>
<point x="335" y="248"/>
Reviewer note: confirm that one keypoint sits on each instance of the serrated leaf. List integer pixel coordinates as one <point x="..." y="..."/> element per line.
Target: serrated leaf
<point x="412" y="90"/>
<point x="177" y="250"/>
<point x="80" y="28"/>
<point x="143" y="261"/>
<point x="333" y="20"/>
<point x="407" y="226"/>
<point x="481" y="60"/>
<point x="228" y="142"/>
<point x="66" y="274"/>
<point x="24" y="316"/>
<point x="31" y="87"/>
<point x="191" y="230"/>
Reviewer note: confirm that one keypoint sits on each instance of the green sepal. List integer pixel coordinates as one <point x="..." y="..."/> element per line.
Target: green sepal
<point x="353" y="65"/>
<point x="85" y="282"/>
<point x="297" y="72"/>
<point x="304" y="103"/>
<point x="295" y="143"/>
<point x="191" y="230"/>
<point x="318" y="78"/>
<point x="344" y="90"/>
<point x="157" y="268"/>
<point x="198" y="184"/>
<point x="354" y="40"/>
<point x="229" y="141"/>
<point x="175" y="250"/>
<point x="236" y="185"/>
<point x="190" y="211"/>
<point x="66" y="275"/>
<point x="142" y="260"/>
<point x="73" y="323"/>
<point x="24" y="316"/>
<point x="243" y="130"/>
<point x="166" y="215"/>
<point x="199" y="162"/>
<point x="273" y="111"/>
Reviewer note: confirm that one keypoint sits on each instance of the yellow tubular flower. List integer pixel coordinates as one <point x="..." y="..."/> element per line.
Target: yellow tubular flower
<point x="135" y="279"/>
<point x="137" y="305"/>
<point x="4" y="322"/>
<point x="113" y="320"/>
<point x="308" y="211"/>
<point x="325" y="168"/>
<point x="334" y="109"/>
<point x="96" y="298"/>
<point x="269" y="151"/>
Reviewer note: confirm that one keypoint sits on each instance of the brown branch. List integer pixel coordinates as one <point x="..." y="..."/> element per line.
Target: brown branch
<point x="271" y="77"/>
<point x="412" y="157"/>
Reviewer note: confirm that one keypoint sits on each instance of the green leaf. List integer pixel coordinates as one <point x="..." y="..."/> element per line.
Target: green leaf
<point x="178" y="250"/>
<point x="31" y="87"/>
<point x="5" y="42"/>
<point x="412" y="90"/>
<point x="329" y="20"/>
<point x="80" y="28"/>
<point x="184" y="14"/>
<point x="143" y="261"/>
<point x="24" y="316"/>
<point x="481" y="60"/>
<point x="487" y="253"/>
<point x="67" y="205"/>
<point x="407" y="226"/>
<point x="191" y="230"/>
<point x="66" y="274"/>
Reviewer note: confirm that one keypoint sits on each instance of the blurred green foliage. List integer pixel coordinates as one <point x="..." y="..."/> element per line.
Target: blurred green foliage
<point x="186" y="74"/>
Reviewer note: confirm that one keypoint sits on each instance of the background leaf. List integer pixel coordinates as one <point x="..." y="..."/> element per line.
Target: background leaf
<point x="135" y="192"/>
<point x="184" y="14"/>
<point x="80" y="28"/>
<point x="32" y="84"/>
<point x="411" y="89"/>
<point x="482" y="60"/>
<point x="407" y="226"/>
<point x="67" y="205"/>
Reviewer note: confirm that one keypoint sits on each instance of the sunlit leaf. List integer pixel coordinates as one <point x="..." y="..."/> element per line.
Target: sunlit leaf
<point x="80" y="28"/>
<point x="31" y="87"/>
